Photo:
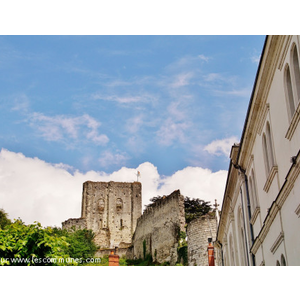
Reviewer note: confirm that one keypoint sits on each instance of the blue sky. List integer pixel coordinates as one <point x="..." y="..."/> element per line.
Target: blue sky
<point x="106" y="102"/>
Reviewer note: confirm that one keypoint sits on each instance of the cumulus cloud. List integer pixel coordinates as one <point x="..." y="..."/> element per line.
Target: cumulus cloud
<point x="35" y="190"/>
<point x="221" y="147"/>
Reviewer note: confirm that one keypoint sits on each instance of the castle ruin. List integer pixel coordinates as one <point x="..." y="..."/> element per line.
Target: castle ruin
<point x="157" y="231"/>
<point x="110" y="210"/>
<point x="113" y="211"/>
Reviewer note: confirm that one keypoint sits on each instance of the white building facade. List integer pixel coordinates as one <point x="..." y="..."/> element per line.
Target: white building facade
<point x="260" y="219"/>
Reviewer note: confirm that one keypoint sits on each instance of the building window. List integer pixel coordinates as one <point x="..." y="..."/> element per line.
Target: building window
<point x="296" y="71"/>
<point x="256" y="203"/>
<point x="289" y="93"/>
<point x="277" y="263"/>
<point x="268" y="149"/>
<point x="231" y="251"/>
<point x="119" y="205"/>
<point x="252" y="197"/>
<point x="241" y="225"/>
<point x="264" y="142"/>
<point x="292" y="91"/>
<point x="269" y="146"/>
<point x="283" y="263"/>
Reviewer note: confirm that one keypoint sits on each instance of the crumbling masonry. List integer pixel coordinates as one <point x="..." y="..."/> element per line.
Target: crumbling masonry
<point x="113" y="210"/>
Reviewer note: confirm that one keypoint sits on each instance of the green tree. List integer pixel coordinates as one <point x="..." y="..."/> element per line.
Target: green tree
<point x="4" y="219"/>
<point x="194" y="208"/>
<point x="81" y="242"/>
<point x="22" y="244"/>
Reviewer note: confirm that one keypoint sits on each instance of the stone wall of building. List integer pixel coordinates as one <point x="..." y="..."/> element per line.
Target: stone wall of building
<point x="79" y="223"/>
<point x="158" y="229"/>
<point x="198" y="232"/>
<point x="111" y="210"/>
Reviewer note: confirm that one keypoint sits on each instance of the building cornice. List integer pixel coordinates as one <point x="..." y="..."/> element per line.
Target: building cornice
<point x="257" y="109"/>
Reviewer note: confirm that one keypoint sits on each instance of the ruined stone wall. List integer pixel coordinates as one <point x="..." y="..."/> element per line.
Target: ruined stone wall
<point x="159" y="227"/>
<point x="198" y="232"/>
<point x="79" y="223"/>
<point x="111" y="210"/>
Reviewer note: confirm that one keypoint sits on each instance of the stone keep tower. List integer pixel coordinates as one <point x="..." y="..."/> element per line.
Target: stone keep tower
<point x="111" y="210"/>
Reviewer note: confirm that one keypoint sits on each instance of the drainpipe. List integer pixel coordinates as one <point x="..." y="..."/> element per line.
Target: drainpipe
<point x="249" y="208"/>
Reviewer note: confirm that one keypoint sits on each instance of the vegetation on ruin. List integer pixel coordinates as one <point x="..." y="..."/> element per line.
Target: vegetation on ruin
<point x="195" y="208"/>
<point x="182" y="249"/>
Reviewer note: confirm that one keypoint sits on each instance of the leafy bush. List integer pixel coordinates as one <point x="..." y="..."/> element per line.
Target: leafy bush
<point x="4" y="219"/>
<point x="81" y="242"/>
<point x="31" y="245"/>
<point x="22" y="244"/>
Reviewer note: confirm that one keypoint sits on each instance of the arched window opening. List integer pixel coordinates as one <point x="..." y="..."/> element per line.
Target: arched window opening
<point x="267" y="166"/>
<point x="296" y="70"/>
<point x="254" y="189"/>
<point x="231" y="251"/>
<point x="252" y="199"/>
<point x="277" y="263"/>
<point x="289" y="93"/>
<point x="283" y="263"/>
<point x="243" y="246"/>
<point x="269" y="146"/>
<point x="119" y="205"/>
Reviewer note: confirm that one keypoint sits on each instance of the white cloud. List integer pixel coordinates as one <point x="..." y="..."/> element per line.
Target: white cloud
<point x="187" y="62"/>
<point x="60" y="127"/>
<point x="108" y="158"/>
<point x="134" y="124"/>
<point x="213" y="77"/>
<point x="255" y="59"/>
<point x="243" y="92"/>
<point x="196" y="182"/>
<point x="38" y="191"/>
<point x="21" y="103"/>
<point x="119" y="99"/>
<point x="182" y="79"/>
<point x="221" y="147"/>
<point x="203" y="57"/>
<point x="172" y="131"/>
